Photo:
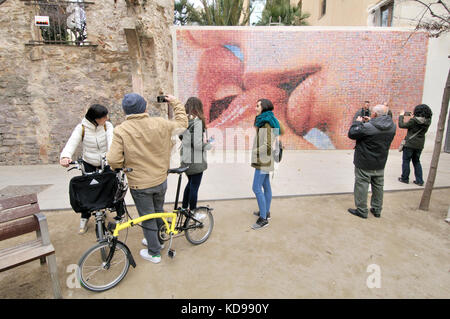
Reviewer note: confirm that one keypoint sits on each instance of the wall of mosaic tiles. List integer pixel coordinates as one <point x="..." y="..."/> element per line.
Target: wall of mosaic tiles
<point x="317" y="79"/>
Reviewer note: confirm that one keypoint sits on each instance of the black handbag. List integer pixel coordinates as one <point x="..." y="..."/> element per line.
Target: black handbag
<point x="403" y="142"/>
<point x="92" y="192"/>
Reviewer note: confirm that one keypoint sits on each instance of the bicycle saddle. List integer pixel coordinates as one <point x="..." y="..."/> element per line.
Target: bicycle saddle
<point x="178" y="170"/>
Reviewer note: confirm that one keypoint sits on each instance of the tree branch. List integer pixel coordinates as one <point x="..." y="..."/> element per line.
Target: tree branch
<point x="417" y="28"/>
<point x="443" y="4"/>
<point x="431" y="11"/>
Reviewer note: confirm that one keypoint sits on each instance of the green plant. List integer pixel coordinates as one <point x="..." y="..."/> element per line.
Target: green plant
<point x="214" y="12"/>
<point x="282" y="11"/>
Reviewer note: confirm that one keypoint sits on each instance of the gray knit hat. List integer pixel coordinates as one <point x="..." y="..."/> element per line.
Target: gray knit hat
<point x="133" y="103"/>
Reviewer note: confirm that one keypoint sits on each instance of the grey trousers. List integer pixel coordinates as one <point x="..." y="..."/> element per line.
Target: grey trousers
<point x="362" y="180"/>
<point x="149" y="201"/>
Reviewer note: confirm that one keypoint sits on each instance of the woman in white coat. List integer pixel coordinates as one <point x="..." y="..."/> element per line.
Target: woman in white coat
<point x="95" y="133"/>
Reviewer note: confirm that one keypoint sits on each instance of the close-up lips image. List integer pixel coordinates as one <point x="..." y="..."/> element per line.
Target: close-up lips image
<point x="316" y="80"/>
<point x="229" y="94"/>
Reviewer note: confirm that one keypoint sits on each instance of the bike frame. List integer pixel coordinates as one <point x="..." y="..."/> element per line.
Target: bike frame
<point x="170" y="227"/>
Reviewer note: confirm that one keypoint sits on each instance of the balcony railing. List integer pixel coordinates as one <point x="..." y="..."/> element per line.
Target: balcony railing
<point x="59" y="22"/>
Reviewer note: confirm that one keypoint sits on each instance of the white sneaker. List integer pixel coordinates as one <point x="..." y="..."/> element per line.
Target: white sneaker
<point x="154" y="259"/>
<point x="144" y="242"/>
<point x="83" y="226"/>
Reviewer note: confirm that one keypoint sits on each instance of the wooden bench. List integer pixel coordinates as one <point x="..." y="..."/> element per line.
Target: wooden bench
<point x="21" y="215"/>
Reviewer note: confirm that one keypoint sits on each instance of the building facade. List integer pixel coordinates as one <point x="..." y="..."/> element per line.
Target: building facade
<point x="52" y="68"/>
<point x="337" y="12"/>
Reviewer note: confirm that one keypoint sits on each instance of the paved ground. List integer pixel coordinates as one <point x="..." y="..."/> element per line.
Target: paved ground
<point x="312" y="248"/>
<point x="230" y="176"/>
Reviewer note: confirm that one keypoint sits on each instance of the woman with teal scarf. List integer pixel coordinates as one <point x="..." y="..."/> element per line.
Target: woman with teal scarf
<point x="267" y="127"/>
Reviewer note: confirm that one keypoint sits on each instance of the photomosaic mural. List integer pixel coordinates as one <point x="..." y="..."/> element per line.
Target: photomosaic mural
<point x="316" y="78"/>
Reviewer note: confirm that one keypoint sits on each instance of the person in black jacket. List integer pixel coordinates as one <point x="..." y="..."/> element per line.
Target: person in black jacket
<point x="364" y="111"/>
<point x="373" y="140"/>
<point x="417" y="126"/>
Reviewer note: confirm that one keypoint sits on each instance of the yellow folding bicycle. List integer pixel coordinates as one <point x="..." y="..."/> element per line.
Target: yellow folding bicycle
<point x="105" y="264"/>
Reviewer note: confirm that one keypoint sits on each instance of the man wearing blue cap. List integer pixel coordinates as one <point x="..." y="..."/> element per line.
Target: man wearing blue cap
<point x="144" y="144"/>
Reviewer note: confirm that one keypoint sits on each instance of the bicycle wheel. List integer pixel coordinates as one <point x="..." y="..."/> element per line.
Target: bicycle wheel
<point x="197" y="232"/>
<point x="93" y="272"/>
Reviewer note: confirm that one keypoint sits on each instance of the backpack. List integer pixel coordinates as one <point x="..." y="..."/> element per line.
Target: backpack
<point x="82" y="131"/>
<point x="278" y="150"/>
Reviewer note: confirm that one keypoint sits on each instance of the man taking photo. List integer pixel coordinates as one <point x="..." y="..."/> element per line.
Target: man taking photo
<point x="144" y="144"/>
<point x="373" y="140"/>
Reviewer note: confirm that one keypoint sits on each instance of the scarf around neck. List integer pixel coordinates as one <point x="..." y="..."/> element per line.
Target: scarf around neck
<point x="267" y="117"/>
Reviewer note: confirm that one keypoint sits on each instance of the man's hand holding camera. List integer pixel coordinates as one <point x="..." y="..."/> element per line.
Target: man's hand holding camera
<point x="166" y="98"/>
<point x="363" y="119"/>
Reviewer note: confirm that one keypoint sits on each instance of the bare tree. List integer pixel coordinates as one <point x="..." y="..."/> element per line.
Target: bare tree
<point x="426" y="196"/>
<point x="436" y="25"/>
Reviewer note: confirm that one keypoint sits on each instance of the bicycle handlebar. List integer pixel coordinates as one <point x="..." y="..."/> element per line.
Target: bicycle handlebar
<point x="125" y="170"/>
<point x="79" y="164"/>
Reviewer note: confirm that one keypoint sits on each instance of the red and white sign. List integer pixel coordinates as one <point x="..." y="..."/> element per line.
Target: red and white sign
<point x="41" y="21"/>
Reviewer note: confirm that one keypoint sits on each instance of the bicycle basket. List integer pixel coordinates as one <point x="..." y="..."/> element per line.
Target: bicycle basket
<point x="92" y="192"/>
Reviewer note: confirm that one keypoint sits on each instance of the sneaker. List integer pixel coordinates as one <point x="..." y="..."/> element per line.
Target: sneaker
<point x="83" y="226"/>
<point x="374" y="213"/>
<point x="257" y="214"/>
<point x="356" y="213"/>
<point x="260" y="223"/>
<point x="154" y="259"/>
<point x="419" y="184"/>
<point x="144" y="242"/>
<point x="401" y="180"/>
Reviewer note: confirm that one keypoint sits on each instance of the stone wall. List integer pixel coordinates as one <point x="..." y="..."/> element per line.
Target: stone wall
<point x="47" y="89"/>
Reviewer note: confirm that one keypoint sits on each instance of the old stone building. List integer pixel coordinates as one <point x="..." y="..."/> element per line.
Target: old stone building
<point x="46" y="88"/>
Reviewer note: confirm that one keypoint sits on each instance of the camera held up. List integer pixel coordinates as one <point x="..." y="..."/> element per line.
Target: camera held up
<point x="365" y="112"/>
<point x="161" y="99"/>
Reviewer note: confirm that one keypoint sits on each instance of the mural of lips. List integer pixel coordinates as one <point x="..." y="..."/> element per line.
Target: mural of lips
<point x="316" y="80"/>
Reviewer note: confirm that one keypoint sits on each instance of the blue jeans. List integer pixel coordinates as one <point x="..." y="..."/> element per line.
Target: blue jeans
<point x="414" y="155"/>
<point x="261" y="181"/>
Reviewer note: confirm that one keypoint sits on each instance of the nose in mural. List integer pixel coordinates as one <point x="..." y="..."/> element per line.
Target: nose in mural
<point x="230" y="94"/>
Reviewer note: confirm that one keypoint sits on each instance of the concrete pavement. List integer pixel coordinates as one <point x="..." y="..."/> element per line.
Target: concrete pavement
<point x="229" y="176"/>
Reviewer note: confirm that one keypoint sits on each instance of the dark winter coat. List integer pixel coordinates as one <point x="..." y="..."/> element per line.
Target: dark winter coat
<point x="414" y="125"/>
<point x="373" y="140"/>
